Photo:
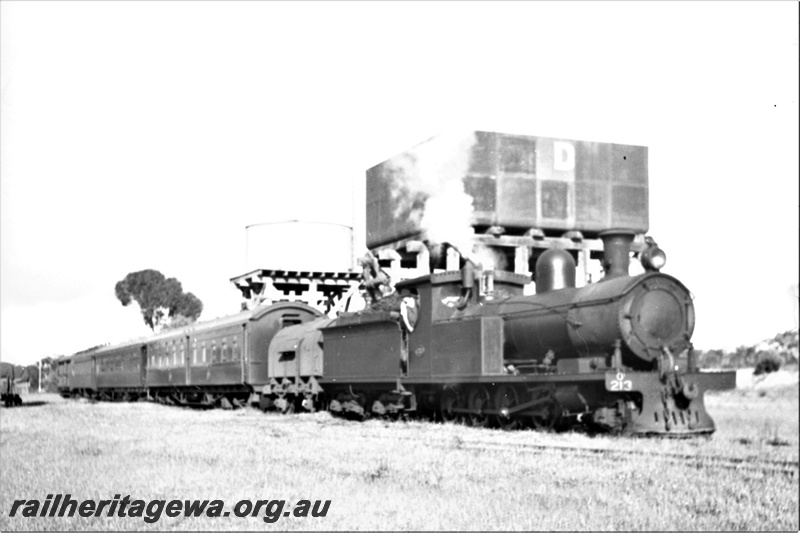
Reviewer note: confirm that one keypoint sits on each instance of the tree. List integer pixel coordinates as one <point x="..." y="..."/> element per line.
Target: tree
<point x="161" y="299"/>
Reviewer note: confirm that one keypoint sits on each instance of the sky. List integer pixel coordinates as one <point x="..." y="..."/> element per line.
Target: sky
<point x="141" y="135"/>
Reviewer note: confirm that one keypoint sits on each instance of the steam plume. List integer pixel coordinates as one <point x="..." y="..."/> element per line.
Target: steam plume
<point x="429" y="189"/>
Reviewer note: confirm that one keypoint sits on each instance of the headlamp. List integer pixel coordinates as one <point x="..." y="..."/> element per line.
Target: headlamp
<point x="653" y="258"/>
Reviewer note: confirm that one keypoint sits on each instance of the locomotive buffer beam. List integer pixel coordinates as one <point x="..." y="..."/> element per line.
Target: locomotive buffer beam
<point x="672" y="406"/>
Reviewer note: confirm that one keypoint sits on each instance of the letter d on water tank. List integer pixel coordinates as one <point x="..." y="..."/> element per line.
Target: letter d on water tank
<point x="563" y="156"/>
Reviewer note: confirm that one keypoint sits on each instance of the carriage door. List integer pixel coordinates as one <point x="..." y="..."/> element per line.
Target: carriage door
<point x="186" y="355"/>
<point x="240" y="352"/>
<point x="142" y="366"/>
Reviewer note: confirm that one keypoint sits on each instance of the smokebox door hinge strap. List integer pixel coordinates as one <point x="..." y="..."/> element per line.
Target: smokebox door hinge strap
<point x="617" y="354"/>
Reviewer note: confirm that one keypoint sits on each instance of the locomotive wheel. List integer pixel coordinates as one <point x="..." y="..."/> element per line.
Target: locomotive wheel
<point x="449" y="401"/>
<point x="506" y="397"/>
<point x="546" y="414"/>
<point x="479" y="399"/>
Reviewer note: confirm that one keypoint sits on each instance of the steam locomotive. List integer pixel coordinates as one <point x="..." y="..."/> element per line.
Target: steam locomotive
<point x="466" y="345"/>
<point x="452" y="339"/>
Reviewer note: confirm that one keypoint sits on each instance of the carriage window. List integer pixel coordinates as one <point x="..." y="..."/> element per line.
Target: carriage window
<point x="236" y="354"/>
<point x="204" y="352"/>
<point x="214" y="352"/>
<point x="183" y="354"/>
<point x="290" y="319"/>
<point x="224" y="350"/>
<point x="286" y="356"/>
<point x="194" y="351"/>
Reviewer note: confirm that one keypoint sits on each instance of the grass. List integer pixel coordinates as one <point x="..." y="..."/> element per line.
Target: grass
<point x="413" y="475"/>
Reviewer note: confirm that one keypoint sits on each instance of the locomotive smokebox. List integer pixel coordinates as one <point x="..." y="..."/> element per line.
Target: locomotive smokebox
<point x="616" y="252"/>
<point x="555" y="269"/>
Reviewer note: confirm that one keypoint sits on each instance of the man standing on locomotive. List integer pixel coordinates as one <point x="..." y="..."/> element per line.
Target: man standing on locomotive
<point x="376" y="281"/>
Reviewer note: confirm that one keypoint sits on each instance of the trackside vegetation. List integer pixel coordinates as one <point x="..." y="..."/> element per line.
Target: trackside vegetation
<point x="381" y="475"/>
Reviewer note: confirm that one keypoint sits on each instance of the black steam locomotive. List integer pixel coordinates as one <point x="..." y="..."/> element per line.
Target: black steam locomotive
<point x="455" y="340"/>
<point x="613" y="355"/>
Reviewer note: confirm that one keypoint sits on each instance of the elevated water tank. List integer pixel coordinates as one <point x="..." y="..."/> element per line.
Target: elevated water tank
<point x="300" y="246"/>
<point x="517" y="182"/>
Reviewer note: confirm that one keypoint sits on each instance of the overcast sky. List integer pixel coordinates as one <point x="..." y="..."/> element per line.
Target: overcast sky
<point x="149" y="134"/>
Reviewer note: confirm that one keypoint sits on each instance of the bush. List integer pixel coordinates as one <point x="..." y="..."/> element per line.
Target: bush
<point x="768" y="363"/>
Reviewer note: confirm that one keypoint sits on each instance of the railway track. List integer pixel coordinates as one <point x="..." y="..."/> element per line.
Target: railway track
<point x="787" y="467"/>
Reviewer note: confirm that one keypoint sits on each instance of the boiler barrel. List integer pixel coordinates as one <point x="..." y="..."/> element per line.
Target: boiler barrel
<point x="646" y="313"/>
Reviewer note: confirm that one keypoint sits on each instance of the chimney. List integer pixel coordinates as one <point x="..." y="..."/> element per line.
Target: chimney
<point x="616" y="252"/>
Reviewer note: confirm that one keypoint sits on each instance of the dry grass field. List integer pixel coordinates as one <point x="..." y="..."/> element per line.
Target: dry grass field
<point x="403" y="475"/>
